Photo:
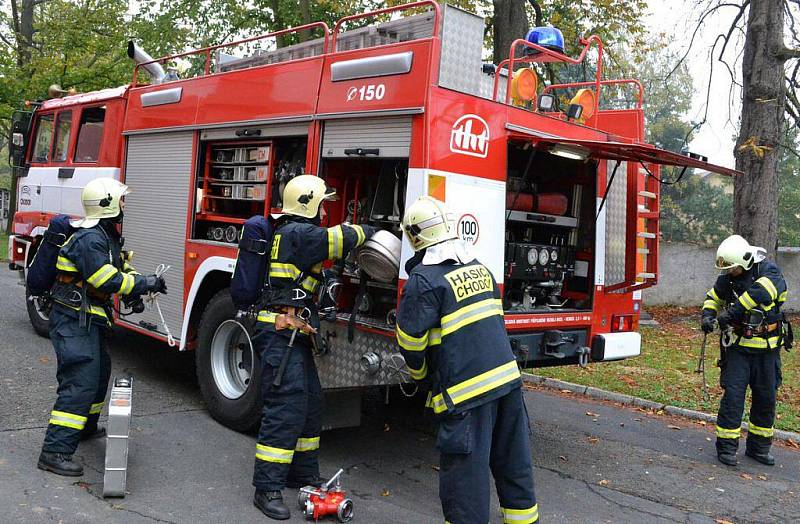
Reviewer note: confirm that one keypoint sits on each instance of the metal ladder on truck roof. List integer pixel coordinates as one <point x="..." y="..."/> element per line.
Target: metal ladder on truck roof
<point x="647" y="228"/>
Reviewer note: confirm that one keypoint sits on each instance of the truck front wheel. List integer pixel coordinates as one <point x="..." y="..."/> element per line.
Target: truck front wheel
<point x="39" y="314"/>
<point x="228" y="367"/>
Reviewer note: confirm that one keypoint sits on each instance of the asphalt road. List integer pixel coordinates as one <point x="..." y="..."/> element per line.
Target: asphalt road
<point x="594" y="462"/>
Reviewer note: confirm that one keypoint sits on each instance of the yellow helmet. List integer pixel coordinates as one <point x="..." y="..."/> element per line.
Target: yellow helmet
<point x="736" y="251"/>
<point x="303" y="194"/>
<point x="427" y="222"/>
<point x="101" y="199"/>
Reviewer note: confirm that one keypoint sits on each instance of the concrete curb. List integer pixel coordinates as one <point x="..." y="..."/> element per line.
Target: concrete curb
<point x="628" y="400"/>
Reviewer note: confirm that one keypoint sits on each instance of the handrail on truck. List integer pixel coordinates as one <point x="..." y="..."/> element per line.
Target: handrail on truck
<point x="548" y="55"/>
<point x="207" y="50"/>
<point x="403" y="7"/>
<point x="619" y="81"/>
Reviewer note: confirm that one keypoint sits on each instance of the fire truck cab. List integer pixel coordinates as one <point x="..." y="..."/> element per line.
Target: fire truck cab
<point x="552" y="185"/>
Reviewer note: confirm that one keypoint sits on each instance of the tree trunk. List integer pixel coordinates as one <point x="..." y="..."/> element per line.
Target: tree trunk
<point x="277" y="23"/>
<point x="755" y="195"/>
<point x="509" y="23"/>
<point x="305" y="18"/>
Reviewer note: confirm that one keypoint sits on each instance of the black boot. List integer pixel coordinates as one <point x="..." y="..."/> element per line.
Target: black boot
<point x="97" y="432"/>
<point x="765" y="458"/>
<point x="60" y="464"/>
<point x="726" y="450"/>
<point x="315" y="481"/>
<point x="271" y="504"/>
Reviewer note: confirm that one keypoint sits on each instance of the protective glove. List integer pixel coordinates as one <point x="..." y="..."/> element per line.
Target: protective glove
<point x="369" y="230"/>
<point x="155" y="284"/>
<point x="707" y="323"/>
<point x="724" y="320"/>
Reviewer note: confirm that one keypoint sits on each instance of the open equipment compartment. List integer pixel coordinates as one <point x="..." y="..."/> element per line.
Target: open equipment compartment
<point x="550" y="232"/>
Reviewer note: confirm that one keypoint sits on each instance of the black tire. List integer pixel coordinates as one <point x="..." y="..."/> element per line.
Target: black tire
<point x="240" y="413"/>
<point x="38" y="315"/>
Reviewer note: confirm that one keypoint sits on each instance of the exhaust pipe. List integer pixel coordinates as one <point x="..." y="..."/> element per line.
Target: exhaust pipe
<point x="140" y="56"/>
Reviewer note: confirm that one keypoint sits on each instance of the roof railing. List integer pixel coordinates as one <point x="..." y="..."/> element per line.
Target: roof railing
<point x="403" y="7"/>
<point x="207" y="51"/>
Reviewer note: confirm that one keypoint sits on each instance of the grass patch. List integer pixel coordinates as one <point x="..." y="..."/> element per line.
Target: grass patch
<point x="665" y="371"/>
<point x="3" y="245"/>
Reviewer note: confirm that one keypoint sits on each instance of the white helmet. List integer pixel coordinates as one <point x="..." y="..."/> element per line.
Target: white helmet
<point x="427" y="222"/>
<point x="303" y="194"/>
<point x="101" y="199"/>
<point x="736" y="251"/>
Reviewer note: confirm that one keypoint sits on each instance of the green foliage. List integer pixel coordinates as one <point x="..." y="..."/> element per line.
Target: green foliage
<point x="789" y="194"/>
<point x="696" y="210"/>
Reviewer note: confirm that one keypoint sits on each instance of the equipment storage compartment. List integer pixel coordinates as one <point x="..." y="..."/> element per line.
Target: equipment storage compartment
<point x="235" y="179"/>
<point x="550" y="230"/>
<point x="371" y="191"/>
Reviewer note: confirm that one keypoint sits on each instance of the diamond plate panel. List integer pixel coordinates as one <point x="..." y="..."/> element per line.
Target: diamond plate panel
<point x="616" y="218"/>
<point x="462" y="48"/>
<point x="341" y="368"/>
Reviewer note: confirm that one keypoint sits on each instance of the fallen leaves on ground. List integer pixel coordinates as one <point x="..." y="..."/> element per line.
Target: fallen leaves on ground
<point x="590" y="414"/>
<point x="762" y="477"/>
<point x="44" y="360"/>
<point x="673" y="427"/>
<point x="603" y="482"/>
<point x="593" y="440"/>
<point x="746" y="476"/>
<point x="562" y="457"/>
<point x="385" y="493"/>
<point x="722" y="521"/>
<point x="793" y="444"/>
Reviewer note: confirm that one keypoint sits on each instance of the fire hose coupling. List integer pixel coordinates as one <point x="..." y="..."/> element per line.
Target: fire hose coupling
<point x="370" y="363"/>
<point x="328" y="499"/>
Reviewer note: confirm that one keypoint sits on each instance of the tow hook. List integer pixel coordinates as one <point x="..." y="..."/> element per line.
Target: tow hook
<point x="583" y="356"/>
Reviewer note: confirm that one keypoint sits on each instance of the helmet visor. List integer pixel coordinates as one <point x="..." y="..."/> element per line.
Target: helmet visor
<point x="722" y="264"/>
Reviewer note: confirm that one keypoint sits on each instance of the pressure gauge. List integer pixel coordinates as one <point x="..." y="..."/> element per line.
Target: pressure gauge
<point x="553" y="255"/>
<point x="544" y="257"/>
<point x="533" y="255"/>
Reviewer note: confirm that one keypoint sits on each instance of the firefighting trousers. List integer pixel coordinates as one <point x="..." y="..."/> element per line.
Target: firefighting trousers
<point x="291" y="419"/>
<point x="762" y="372"/>
<point x="83" y="371"/>
<point x="495" y="437"/>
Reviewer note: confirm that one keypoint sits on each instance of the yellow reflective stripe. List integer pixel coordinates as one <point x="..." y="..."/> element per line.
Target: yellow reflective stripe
<point x="96" y="408"/>
<point x="419" y="374"/>
<point x="759" y="342"/>
<point x="713" y="294"/>
<point x="95" y="310"/>
<point x="266" y="316"/>
<point x="102" y="275"/>
<point x="758" y="430"/>
<point x="270" y="454"/>
<point x="429" y="400"/>
<point x="783" y="296"/>
<point x="767" y="284"/>
<point x="360" y="233"/>
<point x="280" y="270"/>
<point x="410" y="343"/>
<point x="65" y="264"/>
<point x="435" y="337"/>
<point x="478" y="385"/>
<point x="747" y="301"/>
<point x="710" y="304"/>
<point x="520" y="516"/>
<point x="768" y="307"/>
<point x="310" y="284"/>
<point x="62" y="418"/>
<point x="127" y="284"/>
<point x="472" y="313"/>
<point x="728" y="433"/>
<point x="307" y="444"/>
<point x="335" y="242"/>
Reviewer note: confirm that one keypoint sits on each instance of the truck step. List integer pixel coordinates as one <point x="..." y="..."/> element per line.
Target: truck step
<point x="647" y="194"/>
<point x="645" y="234"/>
<point x="645" y="276"/>
<point x="643" y="251"/>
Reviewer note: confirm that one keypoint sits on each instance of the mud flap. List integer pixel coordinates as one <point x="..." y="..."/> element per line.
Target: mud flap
<point x="118" y="430"/>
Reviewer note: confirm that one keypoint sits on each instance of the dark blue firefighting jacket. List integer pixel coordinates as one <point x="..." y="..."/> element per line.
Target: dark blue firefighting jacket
<point x="299" y="247"/>
<point x="450" y="326"/>
<point x="91" y="268"/>
<point x="761" y="287"/>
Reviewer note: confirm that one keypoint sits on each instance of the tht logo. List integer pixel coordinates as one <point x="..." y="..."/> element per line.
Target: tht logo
<point x="470" y="136"/>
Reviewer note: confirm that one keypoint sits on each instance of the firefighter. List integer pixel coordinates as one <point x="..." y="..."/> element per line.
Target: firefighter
<point x="286" y="337"/>
<point x="746" y="304"/>
<point x="91" y="269"/>
<point x="450" y="329"/>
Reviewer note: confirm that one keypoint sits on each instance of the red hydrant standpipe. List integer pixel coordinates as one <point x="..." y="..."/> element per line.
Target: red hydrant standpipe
<point x="326" y="500"/>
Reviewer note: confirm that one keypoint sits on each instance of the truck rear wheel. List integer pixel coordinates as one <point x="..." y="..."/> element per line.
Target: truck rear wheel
<point x="38" y="314"/>
<point x="228" y="368"/>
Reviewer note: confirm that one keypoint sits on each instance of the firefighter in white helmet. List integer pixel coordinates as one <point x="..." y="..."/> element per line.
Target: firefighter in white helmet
<point x="746" y="303"/>
<point x="91" y="269"/>
<point x="451" y="331"/>
<point x="287" y="449"/>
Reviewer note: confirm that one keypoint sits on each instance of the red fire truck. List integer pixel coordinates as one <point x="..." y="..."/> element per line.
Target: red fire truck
<point x="558" y="196"/>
